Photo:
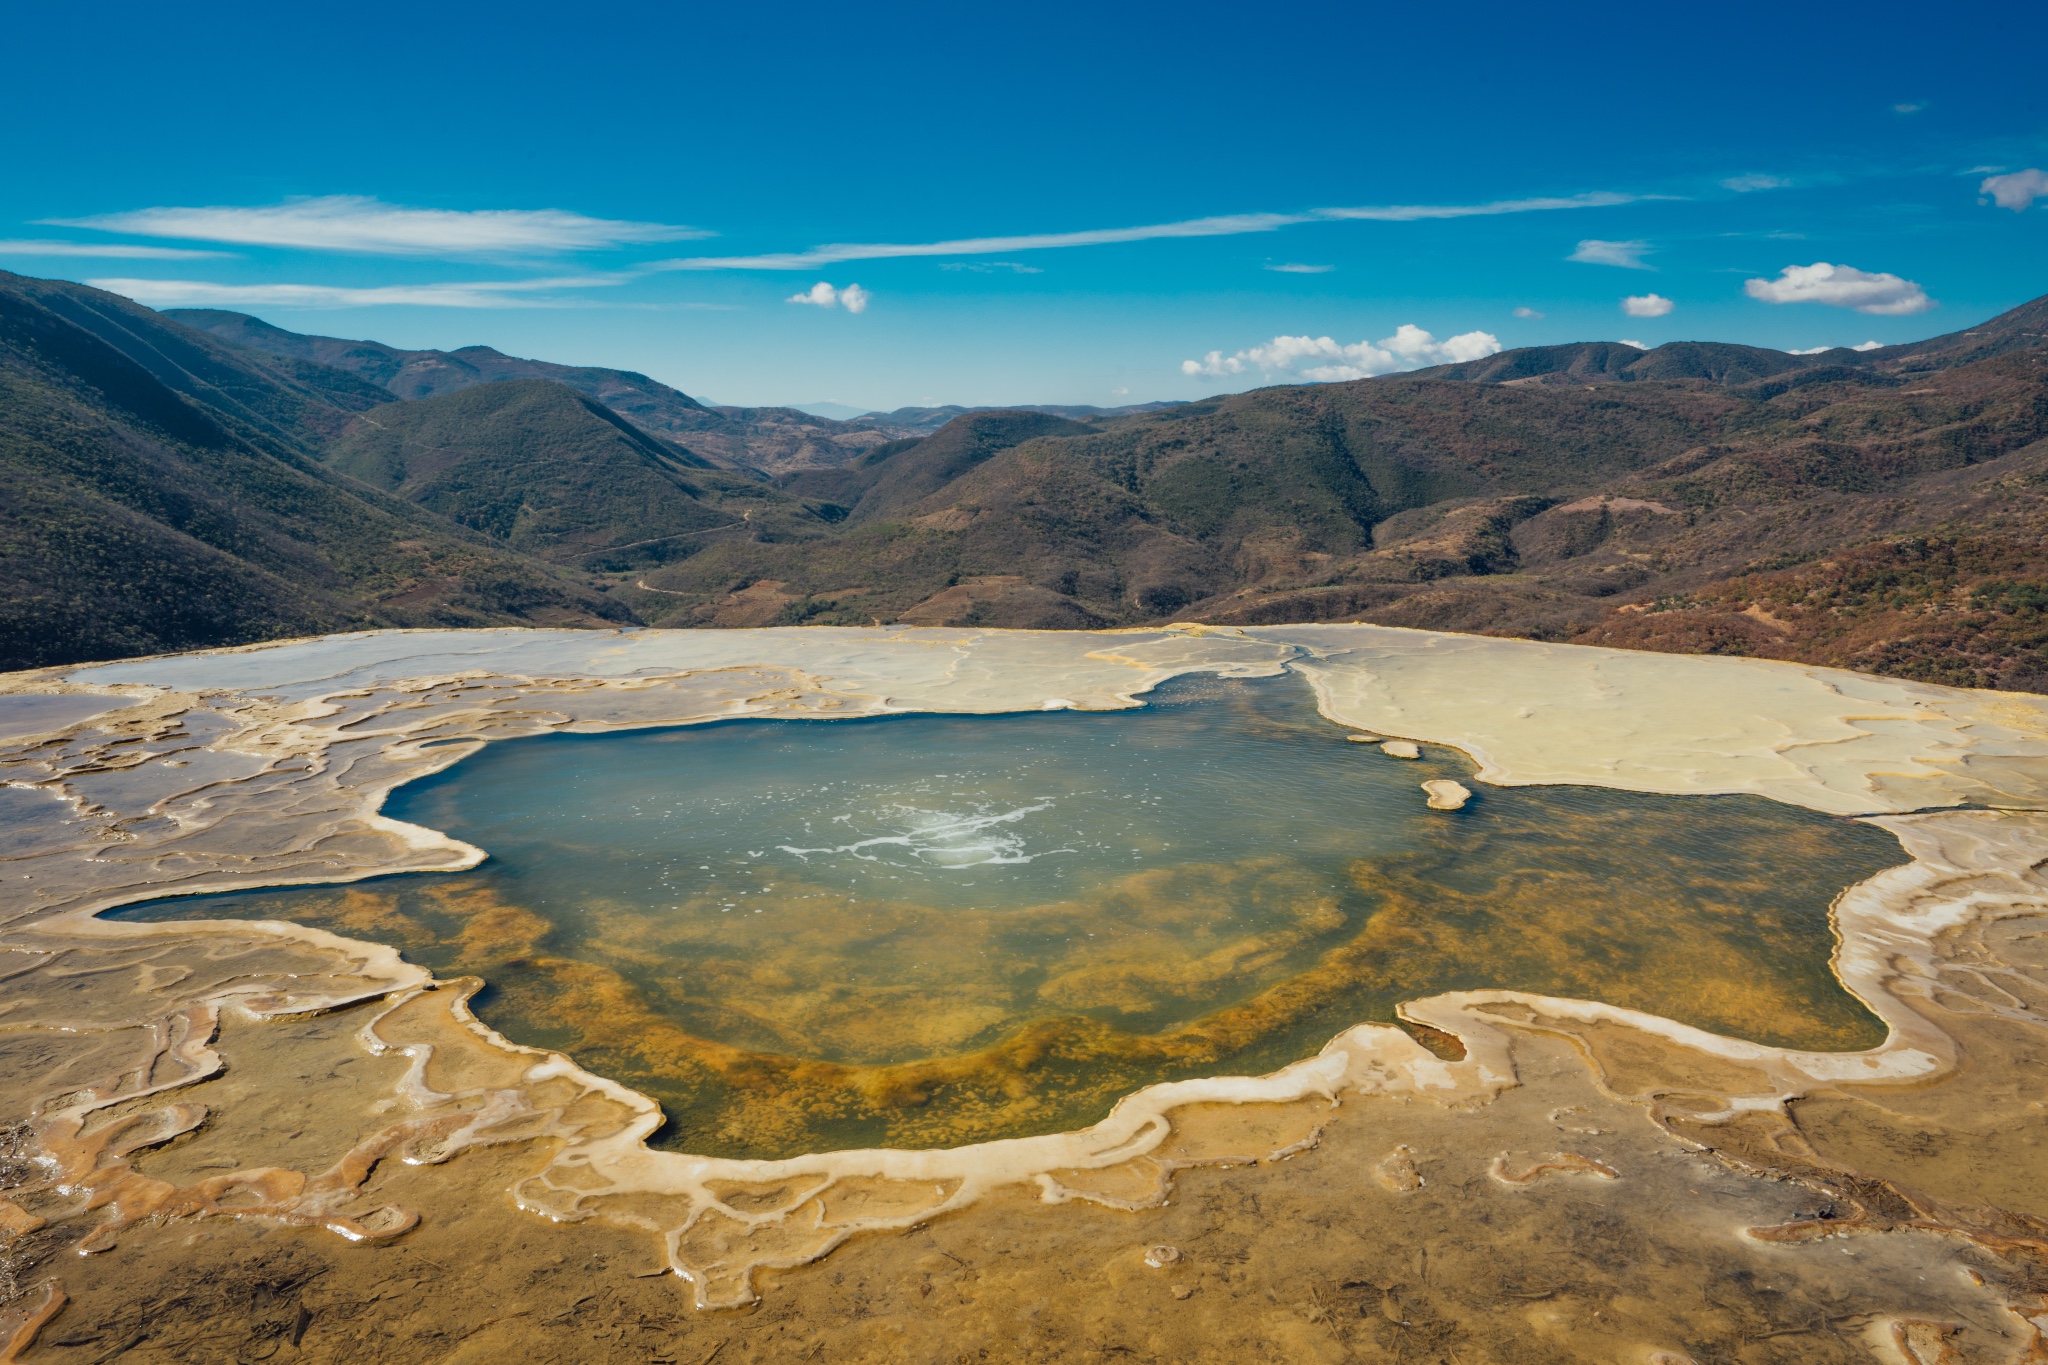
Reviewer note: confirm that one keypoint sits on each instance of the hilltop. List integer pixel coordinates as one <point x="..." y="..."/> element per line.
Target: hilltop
<point x="1890" y="503"/>
<point x="179" y="485"/>
<point x="736" y="438"/>
<point x="162" y="493"/>
<point x="924" y="421"/>
<point x="542" y="469"/>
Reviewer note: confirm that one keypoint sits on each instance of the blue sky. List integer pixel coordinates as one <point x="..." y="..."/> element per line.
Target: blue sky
<point x="1049" y="203"/>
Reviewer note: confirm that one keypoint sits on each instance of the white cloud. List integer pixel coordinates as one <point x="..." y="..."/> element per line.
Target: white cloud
<point x="106" y="250"/>
<point x="357" y="223"/>
<point x="1324" y="360"/>
<point x="1637" y="344"/>
<point x="837" y="253"/>
<point x="1647" y="306"/>
<point x="1409" y="213"/>
<point x="350" y="222"/>
<point x="1816" y="350"/>
<point x="1527" y="313"/>
<point x="2017" y="190"/>
<point x="1226" y="225"/>
<point x="991" y="267"/>
<point x="1750" y="184"/>
<point x="1628" y="255"/>
<point x="1907" y="108"/>
<point x="1293" y="268"/>
<point x="479" y="294"/>
<point x="853" y="298"/>
<point x="1842" y="286"/>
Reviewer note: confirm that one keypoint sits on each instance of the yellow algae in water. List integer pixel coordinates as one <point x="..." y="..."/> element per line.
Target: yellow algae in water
<point x="927" y="983"/>
<point x="1586" y="1236"/>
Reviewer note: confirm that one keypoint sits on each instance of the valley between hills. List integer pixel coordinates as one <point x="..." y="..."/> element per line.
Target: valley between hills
<point x="195" y="478"/>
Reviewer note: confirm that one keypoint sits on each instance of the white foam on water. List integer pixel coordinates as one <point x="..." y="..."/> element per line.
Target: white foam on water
<point x="942" y="839"/>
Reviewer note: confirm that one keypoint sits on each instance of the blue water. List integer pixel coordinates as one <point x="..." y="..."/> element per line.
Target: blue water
<point x="930" y="928"/>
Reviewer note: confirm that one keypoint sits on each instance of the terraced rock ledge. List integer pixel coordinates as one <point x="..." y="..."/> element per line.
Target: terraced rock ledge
<point x="179" y="1082"/>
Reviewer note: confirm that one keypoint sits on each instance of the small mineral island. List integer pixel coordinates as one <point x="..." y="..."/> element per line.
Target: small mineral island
<point x="1121" y="684"/>
<point x="724" y="982"/>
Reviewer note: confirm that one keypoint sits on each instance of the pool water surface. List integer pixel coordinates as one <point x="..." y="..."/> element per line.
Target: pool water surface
<point x="926" y="930"/>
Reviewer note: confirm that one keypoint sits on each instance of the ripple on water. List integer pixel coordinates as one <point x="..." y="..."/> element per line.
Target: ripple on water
<point x="929" y="930"/>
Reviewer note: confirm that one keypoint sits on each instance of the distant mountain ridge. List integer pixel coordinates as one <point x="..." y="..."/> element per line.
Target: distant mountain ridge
<point x="547" y="471"/>
<point x="924" y="421"/>
<point x="767" y="439"/>
<point x="1721" y="362"/>
<point x="1594" y="491"/>
<point x="837" y="412"/>
<point x="1885" y="510"/>
<point x="163" y="491"/>
<point x="892" y="478"/>
<point x="1615" y="361"/>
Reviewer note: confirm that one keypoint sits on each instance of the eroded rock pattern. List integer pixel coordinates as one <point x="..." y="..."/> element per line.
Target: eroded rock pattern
<point x="1514" y="1177"/>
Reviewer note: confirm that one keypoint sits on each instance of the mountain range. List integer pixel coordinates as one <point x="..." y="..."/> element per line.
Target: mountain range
<point x="201" y="477"/>
<point x="738" y="438"/>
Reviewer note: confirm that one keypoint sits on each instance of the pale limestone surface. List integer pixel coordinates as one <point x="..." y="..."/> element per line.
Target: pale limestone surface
<point x="1529" y="712"/>
<point x="1445" y="794"/>
<point x="1825" y="738"/>
<point x="266" y="765"/>
<point x="908" y="669"/>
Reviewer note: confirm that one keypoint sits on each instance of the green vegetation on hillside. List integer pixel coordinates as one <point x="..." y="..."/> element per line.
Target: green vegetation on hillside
<point x="548" y="472"/>
<point x="1883" y="509"/>
<point x="737" y="438"/>
<point x="1526" y="501"/>
<point x="161" y="493"/>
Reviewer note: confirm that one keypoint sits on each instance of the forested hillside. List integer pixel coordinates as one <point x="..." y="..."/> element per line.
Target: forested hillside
<point x="1885" y="510"/>
<point x="736" y="438"/>
<point x="161" y="492"/>
<point x="1593" y="492"/>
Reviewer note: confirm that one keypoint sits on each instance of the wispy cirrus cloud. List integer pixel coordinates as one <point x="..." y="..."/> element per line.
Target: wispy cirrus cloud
<point x="838" y="253"/>
<point x="108" y="250"/>
<point x="356" y="223"/>
<point x="1410" y="213"/>
<point x="1627" y="255"/>
<point x="1750" y="184"/>
<point x="1326" y="360"/>
<point x="1295" y="268"/>
<point x="1222" y="225"/>
<point x="991" y="267"/>
<point x="350" y="223"/>
<point x="1842" y="286"/>
<point x="474" y="294"/>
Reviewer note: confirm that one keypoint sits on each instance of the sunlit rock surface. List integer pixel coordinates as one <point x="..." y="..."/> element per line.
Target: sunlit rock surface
<point x="924" y="931"/>
<point x="1515" y="1176"/>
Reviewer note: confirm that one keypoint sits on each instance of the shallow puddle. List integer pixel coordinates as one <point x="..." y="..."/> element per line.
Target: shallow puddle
<point x="930" y="930"/>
